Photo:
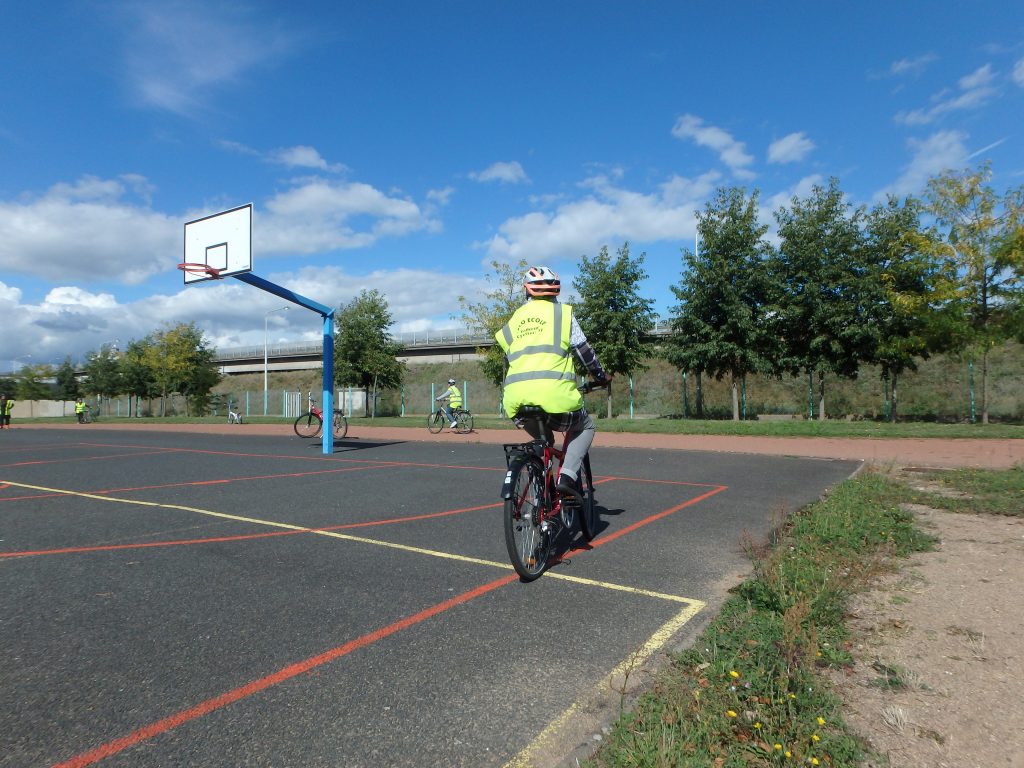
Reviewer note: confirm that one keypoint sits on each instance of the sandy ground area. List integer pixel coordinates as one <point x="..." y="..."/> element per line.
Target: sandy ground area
<point x="939" y="649"/>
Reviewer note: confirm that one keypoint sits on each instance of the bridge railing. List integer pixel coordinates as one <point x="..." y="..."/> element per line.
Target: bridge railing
<point x="428" y="338"/>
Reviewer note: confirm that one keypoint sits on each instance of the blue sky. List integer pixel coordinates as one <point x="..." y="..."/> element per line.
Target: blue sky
<point x="403" y="146"/>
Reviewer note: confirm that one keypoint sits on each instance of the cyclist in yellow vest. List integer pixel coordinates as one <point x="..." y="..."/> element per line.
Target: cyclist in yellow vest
<point x="538" y="341"/>
<point x="80" y="408"/>
<point x="451" y="398"/>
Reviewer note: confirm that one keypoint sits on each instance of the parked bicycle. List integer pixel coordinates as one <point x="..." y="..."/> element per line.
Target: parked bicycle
<point x="311" y="422"/>
<point x="90" y="414"/>
<point x="534" y="512"/>
<point x="438" y="420"/>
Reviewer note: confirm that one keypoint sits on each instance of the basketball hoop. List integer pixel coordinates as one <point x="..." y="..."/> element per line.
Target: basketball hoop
<point x="199" y="270"/>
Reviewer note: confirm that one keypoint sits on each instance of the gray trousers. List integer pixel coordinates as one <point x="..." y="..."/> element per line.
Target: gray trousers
<point x="579" y="430"/>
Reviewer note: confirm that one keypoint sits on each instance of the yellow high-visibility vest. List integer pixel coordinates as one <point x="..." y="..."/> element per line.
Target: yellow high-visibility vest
<point x="454" y="396"/>
<point x="540" y="367"/>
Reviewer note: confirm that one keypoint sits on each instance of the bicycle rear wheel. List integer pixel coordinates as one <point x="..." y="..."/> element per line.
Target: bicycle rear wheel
<point x="590" y="518"/>
<point x="529" y="546"/>
<point x="464" y="422"/>
<point x="308" y="425"/>
<point x="340" y="425"/>
<point x="436" y="422"/>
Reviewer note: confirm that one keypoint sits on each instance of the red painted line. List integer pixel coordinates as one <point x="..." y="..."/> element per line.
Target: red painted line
<point x="292" y="670"/>
<point x="601" y="541"/>
<point x="89" y="458"/>
<point x="187" y="483"/>
<point x="240" y="537"/>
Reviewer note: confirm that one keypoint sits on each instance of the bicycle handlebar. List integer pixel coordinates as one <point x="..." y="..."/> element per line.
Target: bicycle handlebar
<point x="590" y="386"/>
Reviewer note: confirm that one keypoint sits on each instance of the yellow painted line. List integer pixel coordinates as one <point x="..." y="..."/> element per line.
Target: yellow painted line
<point x="552" y="574"/>
<point x="549" y="737"/>
<point x="524" y="759"/>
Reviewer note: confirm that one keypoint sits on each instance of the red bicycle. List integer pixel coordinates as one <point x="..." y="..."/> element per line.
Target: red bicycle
<point x="311" y="422"/>
<point x="534" y="512"/>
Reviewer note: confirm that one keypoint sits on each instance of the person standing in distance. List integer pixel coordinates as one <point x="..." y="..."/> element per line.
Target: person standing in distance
<point x="450" y="399"/>
<point x="5" y="412"/>
<point x="538" y="342"/>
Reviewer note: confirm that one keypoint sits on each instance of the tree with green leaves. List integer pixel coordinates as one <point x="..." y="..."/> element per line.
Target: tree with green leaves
<point x="911" y="310"/>
<point x="32" y="382"/>
<point x="615" y="317"/>
<point x="984" y="243"/>
<point x="103" y="373"/>
<point x="181" y="360"/>
<point x="490" y="315"/>
<point x="365" y="355"/>
<point x="822" y="289"/>
<point x="67" y="382"/>
<point x="139" y="379"/>
<point x="720" y="325"/>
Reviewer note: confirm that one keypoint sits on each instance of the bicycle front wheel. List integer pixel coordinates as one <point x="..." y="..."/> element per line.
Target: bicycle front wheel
<point x="340" y="425"/>
<point x="590" y="518"/>
<point x="436" y="422"/>
<point x="308" y="425"/>
<point x="464" y="422"/>
<point x="529" y="546"/>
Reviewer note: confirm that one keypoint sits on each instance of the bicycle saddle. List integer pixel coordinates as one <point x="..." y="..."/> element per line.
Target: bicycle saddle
<point x="530" y="412"/>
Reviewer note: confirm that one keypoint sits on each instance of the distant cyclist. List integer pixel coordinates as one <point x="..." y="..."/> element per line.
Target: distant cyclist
<point x="451" y="399"/>
<point x="537" y="342"/>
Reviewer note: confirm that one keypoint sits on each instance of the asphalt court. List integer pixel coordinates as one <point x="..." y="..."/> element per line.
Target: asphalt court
<point x="183" y="599"/>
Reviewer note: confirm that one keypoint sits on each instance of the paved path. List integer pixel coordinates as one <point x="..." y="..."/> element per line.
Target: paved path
<point x="925" y="452"/>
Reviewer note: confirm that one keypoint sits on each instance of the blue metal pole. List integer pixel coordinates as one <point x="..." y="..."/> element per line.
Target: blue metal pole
<point x="328" y="383"/>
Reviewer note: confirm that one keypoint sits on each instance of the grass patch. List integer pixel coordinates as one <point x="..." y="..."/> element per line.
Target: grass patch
<point x="994" y="492"/>
<point x="751" y="690"/>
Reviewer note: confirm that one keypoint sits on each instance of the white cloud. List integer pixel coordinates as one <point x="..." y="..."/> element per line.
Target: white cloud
<point x="87" y="231"/>
<point x="1018" y="73"/>
<point x="730" y="151"/>
<point x="939" y="152"/>
<point x="304" y="157"/>
<point x="180" y="55"/>
<point x="975" y="90"/>
<point x="506" y="173"/>
<point x="323" y="215"/>
<point x="608" y="215"/>
<point x="790" y="149"/>
<point x="93" y="230"/>
<point x="914" y="66"/>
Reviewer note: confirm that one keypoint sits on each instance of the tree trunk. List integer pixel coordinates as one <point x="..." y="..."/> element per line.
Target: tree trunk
<point x="735" y="399"/>
<point x="699" y="396"/>
<point x="373" y="408"/>
<point x="810" y="395"/>
<point x="609" y="401"/>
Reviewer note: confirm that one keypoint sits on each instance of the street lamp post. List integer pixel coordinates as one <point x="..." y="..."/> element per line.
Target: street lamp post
<point x="266" y="318"/>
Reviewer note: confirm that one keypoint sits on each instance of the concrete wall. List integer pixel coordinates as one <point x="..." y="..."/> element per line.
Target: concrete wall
<point x="41" y="408"/>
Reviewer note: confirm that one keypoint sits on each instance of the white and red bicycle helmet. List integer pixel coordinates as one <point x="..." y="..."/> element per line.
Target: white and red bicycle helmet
<point x="541" y="282"/>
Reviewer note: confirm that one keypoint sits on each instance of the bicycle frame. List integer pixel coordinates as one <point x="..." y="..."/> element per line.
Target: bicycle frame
<point x="551" y="459"/>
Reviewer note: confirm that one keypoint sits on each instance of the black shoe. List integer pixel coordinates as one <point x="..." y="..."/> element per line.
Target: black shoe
<point x="566" y="488"/>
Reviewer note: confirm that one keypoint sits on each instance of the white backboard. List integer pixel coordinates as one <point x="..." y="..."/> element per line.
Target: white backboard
<point x="221" y="240"/>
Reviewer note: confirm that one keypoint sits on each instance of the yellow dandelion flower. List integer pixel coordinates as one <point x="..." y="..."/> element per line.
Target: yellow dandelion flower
<point x="821" y="721"/>
<point x="788" y="753"/>
<point x="814" y="761"/>
<point x="757" y="725"/>
<point x="792" y="695"/>
<point x="778" y="746"/>
<point x="730" y="713"/>
<point x="815" y="737"/>
<point x="734" y="674"/>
